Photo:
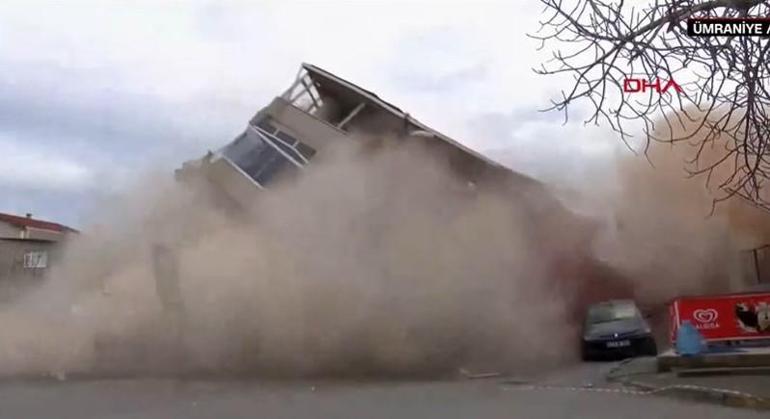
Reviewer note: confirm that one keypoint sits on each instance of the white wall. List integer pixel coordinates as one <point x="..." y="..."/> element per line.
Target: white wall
<point x="9" y="231"/>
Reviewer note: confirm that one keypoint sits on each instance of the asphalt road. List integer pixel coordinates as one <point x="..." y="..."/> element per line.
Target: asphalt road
<point x="556" y="395"/>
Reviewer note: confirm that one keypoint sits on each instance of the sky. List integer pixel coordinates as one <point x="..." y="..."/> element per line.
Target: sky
<point x="95" y="93"/>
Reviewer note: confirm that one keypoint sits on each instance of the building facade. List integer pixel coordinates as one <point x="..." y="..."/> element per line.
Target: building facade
<point x="318" y="110"/>
<point x="28" y="249"/>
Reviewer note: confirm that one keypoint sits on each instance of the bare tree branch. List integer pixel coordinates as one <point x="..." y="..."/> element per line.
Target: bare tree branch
<point x="725" y="102"/>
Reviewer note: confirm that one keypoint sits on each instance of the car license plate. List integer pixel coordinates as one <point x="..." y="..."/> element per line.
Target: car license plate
<point x="619" y="344"/>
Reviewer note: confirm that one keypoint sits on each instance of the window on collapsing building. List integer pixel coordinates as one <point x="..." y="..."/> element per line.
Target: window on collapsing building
<point x="304" y="95"/>
<point x="257" y="158"/>
<point x="298" y="150"/>
<point x="263" y="152"/>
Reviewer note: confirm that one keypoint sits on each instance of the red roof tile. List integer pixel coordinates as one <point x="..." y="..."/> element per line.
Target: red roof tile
<point x="33" y="223"/>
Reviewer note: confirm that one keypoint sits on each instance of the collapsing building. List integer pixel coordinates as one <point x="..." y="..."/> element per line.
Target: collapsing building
<point x="320" y="110"/>
<point x="317" y="111"/>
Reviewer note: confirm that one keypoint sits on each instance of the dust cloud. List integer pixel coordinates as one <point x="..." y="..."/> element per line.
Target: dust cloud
<point x="372" y="263"/>
<point x="662" y="229"/>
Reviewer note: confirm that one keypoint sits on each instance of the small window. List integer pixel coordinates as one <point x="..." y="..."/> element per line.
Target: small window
<point x="268" y="167"/>
<point x="36" y="260"/>
<point x="286" y="137"/>
<point x="305" y="150"/>
<point x="267" y="126"/>
<point x="256" y="157"/>
<point x="291" y="151"/>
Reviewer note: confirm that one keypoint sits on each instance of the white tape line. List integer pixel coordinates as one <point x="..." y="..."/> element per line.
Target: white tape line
<point x="688" y="387"/>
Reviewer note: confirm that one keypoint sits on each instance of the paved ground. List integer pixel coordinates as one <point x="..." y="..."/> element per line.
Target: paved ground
<point x="749" y="383"/>
<point x="557" y="395"/>
<point x="757" y="385"/>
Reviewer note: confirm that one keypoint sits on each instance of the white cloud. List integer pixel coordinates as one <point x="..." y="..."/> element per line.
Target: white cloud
<point x="243" y="51"/>
<point x="27" y="166"/>
<point x="195" y="71"/>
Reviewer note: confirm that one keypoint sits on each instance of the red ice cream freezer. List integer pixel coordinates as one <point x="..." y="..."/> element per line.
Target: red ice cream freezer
<point x="729" y="317"/>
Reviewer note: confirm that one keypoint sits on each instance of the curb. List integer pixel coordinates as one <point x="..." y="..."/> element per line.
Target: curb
<point x="636" y="387"/>
<point x="731" y="398"/>
<point x="726" y="397"/>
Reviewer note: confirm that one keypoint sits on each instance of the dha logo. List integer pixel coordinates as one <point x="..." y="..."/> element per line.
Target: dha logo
<point x="641" y="86"/>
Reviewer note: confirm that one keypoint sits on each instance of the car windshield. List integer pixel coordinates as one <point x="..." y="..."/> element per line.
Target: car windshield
<point x="611" y="312"/>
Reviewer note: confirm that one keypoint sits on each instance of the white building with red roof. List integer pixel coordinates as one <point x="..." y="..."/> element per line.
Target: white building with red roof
<point x="28" y="248"/>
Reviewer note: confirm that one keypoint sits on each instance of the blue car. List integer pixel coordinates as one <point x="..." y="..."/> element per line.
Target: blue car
<point x="616" y="329"/>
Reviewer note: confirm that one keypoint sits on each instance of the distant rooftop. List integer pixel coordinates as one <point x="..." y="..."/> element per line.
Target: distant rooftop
<point x="28" y="221"/>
